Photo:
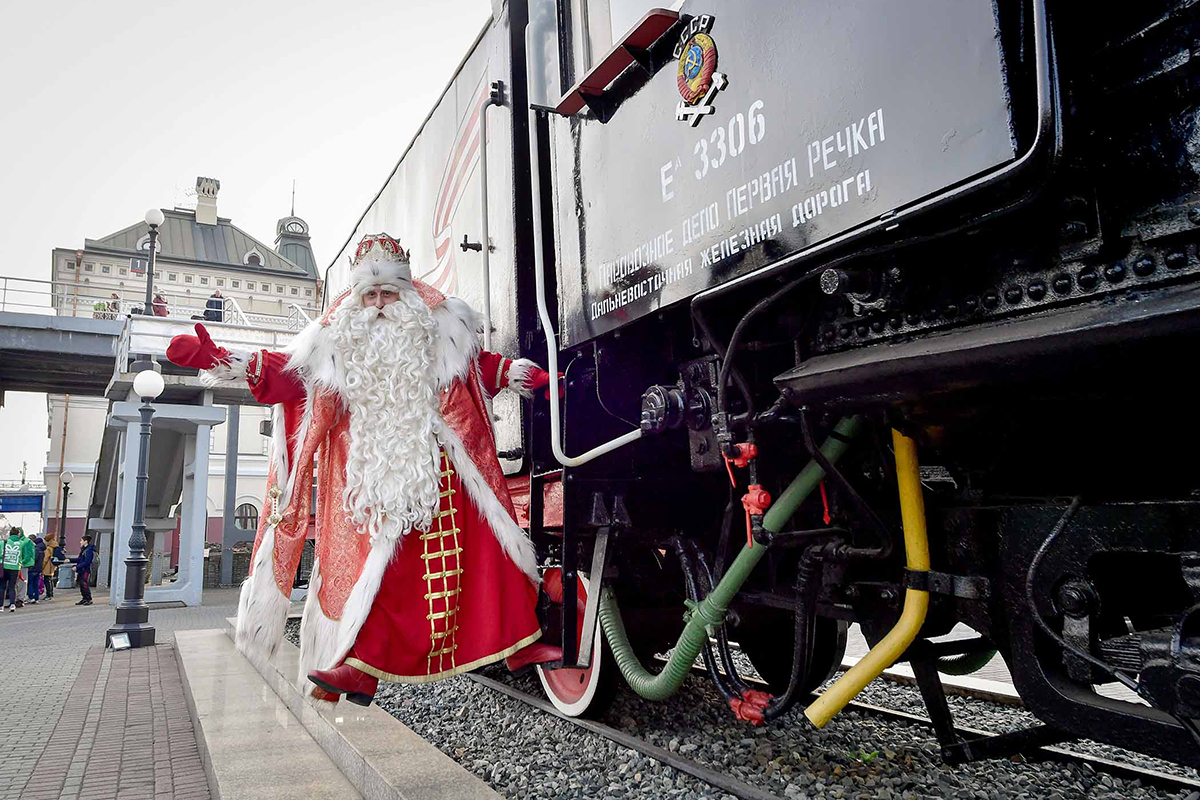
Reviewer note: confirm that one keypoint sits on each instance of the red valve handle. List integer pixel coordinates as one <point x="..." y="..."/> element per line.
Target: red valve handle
<point x="756" y="500"/>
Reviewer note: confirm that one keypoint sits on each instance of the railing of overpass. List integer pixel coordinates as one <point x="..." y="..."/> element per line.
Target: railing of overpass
<point x="151" y="335"/>
<point x="22" y="486"/>
<point x="71" y="299"/>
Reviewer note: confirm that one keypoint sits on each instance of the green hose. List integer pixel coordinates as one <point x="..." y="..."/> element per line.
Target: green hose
<point x="710" y="612"/>
<point x="964" y="663"/>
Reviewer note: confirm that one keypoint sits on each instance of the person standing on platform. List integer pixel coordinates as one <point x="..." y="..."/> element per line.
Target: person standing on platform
<point x="159" y="305"/>
<point x="49" y="569"/>
<point x="10" y="566"/>
<point x="35" y="569"/>
<point x="27" y="552"/>
<point x="214" y="308"/>
<point x="83" y="569"/>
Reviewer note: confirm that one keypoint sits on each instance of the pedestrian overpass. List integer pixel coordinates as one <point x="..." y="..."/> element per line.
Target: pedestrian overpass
<point x="77" y="345"/>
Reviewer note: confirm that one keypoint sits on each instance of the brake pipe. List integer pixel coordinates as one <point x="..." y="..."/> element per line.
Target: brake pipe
<point x="709" y="614"/>
<point x="916" y="602"/>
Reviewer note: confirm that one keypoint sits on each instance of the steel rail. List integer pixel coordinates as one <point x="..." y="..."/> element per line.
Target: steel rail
<point x="737" y="788"/>
<point x="741" y="789"/>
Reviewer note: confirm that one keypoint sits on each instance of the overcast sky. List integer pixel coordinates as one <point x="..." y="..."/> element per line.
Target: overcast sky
<point x="110" y="108"/>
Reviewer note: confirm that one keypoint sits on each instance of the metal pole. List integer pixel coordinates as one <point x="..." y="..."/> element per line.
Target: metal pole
<point x="149" y="310"/>
<point x="494" y="99"/>
<point x="62" y="522"/>
<point x="229" y="531"/>
<point x="133" y="613"/>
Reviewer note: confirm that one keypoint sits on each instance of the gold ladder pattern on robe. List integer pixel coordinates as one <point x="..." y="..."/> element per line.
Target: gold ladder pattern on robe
<point x="441" y="557"/>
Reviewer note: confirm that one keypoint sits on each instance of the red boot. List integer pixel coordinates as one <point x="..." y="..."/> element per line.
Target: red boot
<point x="329" y="697"/>
<point x="530" y="654"/>
<point x="358" y="686"/>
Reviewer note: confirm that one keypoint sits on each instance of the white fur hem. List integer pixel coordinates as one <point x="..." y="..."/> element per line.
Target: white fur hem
<point x="262" y="608"/>
<point x="232" y="370"/>
<point x="324" y="642"/>
<point x="280" y="456"/>
<point x="459" y="327"/>
<point x="318" y="634"/>
<point x="519" y="375"/>
<point x="386" y="273"/>
<point x="516" y="544"/>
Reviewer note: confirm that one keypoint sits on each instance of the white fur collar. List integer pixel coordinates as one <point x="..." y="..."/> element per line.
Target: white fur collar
<point x="310" y="354"/>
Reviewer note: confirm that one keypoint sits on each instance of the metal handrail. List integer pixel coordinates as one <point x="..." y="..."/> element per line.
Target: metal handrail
<point x="539" y="274"/>
<point x="71" y="299"/>
<point x="231" y="304"/>
<point x="297" y="319"/>
<point x="18" y="486"/>
<point x="151" y="335"/>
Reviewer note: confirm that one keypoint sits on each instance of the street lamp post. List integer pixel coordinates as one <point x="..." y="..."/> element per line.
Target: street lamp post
<point x="133" y="614"/>
<point x="154" y="218"/>
<point x="65" y="477"/>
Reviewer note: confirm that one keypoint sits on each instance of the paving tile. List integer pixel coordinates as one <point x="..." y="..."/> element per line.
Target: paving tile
<point x="113" y="723"/>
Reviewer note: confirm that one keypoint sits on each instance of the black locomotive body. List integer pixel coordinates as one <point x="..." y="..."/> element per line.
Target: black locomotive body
<point x="974" y="224"/>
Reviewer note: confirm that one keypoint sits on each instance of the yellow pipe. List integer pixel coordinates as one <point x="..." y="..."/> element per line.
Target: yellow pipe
<point x="916" y="603"/>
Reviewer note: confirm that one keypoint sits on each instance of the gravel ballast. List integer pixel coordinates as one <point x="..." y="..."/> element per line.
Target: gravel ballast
<point x="525" y="753"/>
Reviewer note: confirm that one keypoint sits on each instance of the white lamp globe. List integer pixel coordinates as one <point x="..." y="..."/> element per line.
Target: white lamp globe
<point x="154" y="217"/>
<point x="66" y="476"/>
<point x="148" y="384"/>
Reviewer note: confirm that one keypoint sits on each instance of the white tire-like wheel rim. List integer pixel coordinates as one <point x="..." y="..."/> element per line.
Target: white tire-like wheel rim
<point x="571" y="691"/>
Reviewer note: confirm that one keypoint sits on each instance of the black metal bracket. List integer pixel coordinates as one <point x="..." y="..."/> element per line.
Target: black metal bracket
<point x="1004" y="745"/>
<point x="969" y="587"/>
<point x="469" y="245"/>
<point x="497" y="92"/>
<point x="602" y="106"/>
<point x="641" y="57"/>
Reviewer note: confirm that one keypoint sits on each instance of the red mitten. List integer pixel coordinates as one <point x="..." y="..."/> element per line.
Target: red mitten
<point x="540" y="379"/>
<point x="198" y="352"/>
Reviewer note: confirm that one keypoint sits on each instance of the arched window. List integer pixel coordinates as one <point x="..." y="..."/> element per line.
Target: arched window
<point x="246" y="517"/>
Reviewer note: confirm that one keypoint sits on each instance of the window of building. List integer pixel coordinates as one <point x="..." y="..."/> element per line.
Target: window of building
<point x="204" y="280"/>
<point x="69" y="265"/>
<point x="295" y="290"/>
<point x="308" y="292"/>
<point x="89" y="267"/>
<point x="279" y="288"/>
<point x="246" y="517"/>
<point x="187" y="278"/>
<point x="250" y="286"/>
<point x="173" y="277"/>
<point x="105" y="268"/>
<point x="254" y="258"/>
<point x="235" y="284"/>
<point x="220" y="281"/>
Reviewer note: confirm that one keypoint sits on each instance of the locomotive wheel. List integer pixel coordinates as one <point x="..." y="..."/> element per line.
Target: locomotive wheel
<point x="579" y="692"/>
<point x="766" y="639"/>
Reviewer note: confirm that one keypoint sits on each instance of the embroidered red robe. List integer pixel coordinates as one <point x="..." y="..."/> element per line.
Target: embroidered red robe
<point x="430" y="605"/>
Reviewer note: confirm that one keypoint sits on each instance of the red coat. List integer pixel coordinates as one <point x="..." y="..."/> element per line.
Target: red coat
<point x="404" y="618"/>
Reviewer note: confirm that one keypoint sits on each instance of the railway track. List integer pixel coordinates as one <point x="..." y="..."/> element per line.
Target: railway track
<point x="747" y="791"/>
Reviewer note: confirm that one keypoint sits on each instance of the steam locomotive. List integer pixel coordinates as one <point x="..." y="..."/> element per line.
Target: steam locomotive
<point x="864" y="312"/>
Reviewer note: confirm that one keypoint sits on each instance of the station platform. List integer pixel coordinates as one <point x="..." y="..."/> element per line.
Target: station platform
<point x="259" y="738"/>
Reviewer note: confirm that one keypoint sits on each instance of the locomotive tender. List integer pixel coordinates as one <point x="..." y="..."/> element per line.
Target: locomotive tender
<point x="864" y="310"/>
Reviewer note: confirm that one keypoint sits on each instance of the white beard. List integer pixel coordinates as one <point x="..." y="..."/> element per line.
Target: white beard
<point x="385" y="360"/>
